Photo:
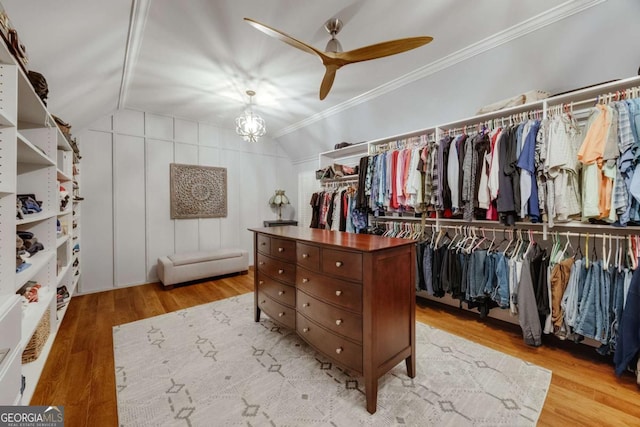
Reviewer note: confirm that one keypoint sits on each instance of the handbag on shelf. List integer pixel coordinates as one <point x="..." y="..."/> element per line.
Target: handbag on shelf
<point x="64" y="126"/>
<point x="17" y="49"/>
<point x="39" y="84"/>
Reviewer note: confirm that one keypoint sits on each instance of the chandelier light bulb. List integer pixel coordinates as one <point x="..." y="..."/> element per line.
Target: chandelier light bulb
<point x="249" y="125"/>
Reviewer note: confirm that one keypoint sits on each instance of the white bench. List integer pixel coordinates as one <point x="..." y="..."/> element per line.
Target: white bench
<point x="179" y="268"/>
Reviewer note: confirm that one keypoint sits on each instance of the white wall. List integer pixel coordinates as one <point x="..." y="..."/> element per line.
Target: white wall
<point x="598" y="44"/>
<point x="126" y="221"/>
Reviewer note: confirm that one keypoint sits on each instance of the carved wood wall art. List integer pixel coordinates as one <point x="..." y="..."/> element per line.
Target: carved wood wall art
<point x="198" y="191"/>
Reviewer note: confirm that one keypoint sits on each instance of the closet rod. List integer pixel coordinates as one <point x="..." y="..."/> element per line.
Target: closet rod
<point x="626" y="93"/>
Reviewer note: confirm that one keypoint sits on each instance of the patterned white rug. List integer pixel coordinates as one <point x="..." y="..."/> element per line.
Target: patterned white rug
<point x="212" y="365"/>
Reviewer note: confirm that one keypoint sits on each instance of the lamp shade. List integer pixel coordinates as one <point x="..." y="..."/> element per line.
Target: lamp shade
<point x="279" y="198"/>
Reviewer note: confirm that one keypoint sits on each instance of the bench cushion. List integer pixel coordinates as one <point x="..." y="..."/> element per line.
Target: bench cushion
<point x="203" y="256"/>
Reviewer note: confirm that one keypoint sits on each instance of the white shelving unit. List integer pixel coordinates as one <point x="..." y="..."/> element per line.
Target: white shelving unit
<point x="32" y="153"/>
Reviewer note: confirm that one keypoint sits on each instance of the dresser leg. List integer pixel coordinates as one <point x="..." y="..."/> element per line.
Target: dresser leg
<point x="371" y="392"/>
<point x="411" y="366"/>
<point x="255" y="306"/>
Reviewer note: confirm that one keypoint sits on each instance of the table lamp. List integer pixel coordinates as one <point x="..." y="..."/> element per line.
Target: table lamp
<point x="279" y="199"/>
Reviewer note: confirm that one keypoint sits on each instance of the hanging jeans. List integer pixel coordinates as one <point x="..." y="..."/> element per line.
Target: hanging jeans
<point x="628" y="343"/>
<point x="476" y="274"/>
<point x="427" y="260"/>
<point x="500" y="293"/>
<point x="590" y="317"/>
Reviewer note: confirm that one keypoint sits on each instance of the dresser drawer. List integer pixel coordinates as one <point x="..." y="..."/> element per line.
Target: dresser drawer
<point x="264" y="244"/>
<point x="278" y="291"/>
<point x="283" y="249"/>
<point x="342" y="263"/>
<point x="333" y="318"/>
<point x="308" y="256"/>
<point x="339" y="292"/>
<point x="278" y="312"/>
<point x="337" y="348"/>
<point x="277" y="269"/>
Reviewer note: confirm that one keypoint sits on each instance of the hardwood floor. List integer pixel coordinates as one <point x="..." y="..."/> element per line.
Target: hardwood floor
<point x="79" y="373"/>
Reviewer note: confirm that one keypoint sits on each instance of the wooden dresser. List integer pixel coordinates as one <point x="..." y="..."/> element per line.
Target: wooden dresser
<point x="350" y="296"/>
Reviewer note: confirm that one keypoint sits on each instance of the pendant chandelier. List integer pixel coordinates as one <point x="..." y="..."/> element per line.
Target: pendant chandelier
<point x="249" y="125"/>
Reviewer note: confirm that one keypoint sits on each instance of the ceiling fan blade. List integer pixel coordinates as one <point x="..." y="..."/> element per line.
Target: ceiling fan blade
<point x="327" y="81"/>
<point x="285" y="38"/>
<point x="380" y="50"/>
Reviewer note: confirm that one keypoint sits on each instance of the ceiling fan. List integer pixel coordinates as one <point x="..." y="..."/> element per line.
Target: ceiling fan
<point x="333" y="58"/>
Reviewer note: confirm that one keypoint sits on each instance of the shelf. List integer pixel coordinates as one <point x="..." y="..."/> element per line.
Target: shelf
<point x="62" y="177"/>
<point x="63" y="143"/>
<point x="37" y="261"/>
<point x="65" y="212"/>
<point x="346" y="178"/>
<point x="351" y="150"/>
<point x="33" y="313"/>
<point x="5" y="121"/>
<point x="30" y="107"/>
<point x="29" y="153"/>
<point x="61" y="240"/>
<point x="63" y="271"/>
<point x="396" y="218"/>
<point x="33" y="370"/>
<point x="35" y="217"/>
<point x="9" y="377"/>
<point x="63" y="311"/>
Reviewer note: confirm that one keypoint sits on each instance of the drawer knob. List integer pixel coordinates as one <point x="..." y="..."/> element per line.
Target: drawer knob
<point x="305" y="329"/>
<point x="280" y="293"/>
<point x="306" y="304"/>
<point x="339" y="350"/>
<point x="305" y="280"/>
<point x="305" y="255"/>
<point x="261" y="263"/>
<point x="280" y="271"/>
<point x="263" y="243"/>
<point x="339" y="322"/>
<point x="280" y="314"/>
<point x="263" y="302"/>
<point x="280" y="249"/>
<point x="338" y="293"/>
<point x="338" y="263"/>
<point x="261" y="282"/>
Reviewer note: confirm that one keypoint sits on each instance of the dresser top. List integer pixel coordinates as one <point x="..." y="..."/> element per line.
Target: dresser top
<point x="360" y="242"/>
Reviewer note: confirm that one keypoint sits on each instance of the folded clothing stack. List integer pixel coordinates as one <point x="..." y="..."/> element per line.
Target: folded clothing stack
<point x="26" y="246"/>
<point x="28" y="204"/>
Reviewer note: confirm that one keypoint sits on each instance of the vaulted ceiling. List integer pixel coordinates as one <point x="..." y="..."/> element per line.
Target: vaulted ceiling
<point x="194" y="59"/>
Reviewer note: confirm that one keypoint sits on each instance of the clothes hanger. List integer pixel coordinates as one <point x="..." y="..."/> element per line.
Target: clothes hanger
<point x="586" y="251"/>
<point x="578" y="251"/>
<point x="566" y="245"/>
<point x="593" y="251"/>
<point x="608" y="259"/>
<point x="618" y="259"/>
<point x="530" y="245"/>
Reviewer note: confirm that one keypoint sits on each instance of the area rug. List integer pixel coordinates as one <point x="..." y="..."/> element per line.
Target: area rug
<point x="212" y="365"/>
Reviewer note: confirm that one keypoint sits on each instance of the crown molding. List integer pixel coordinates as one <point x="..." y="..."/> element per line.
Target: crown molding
<point x="139" y="14"/>
<point x="523" y="28"/>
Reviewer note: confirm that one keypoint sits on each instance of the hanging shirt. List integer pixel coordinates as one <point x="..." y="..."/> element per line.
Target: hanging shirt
<point x="453" y="175"/>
